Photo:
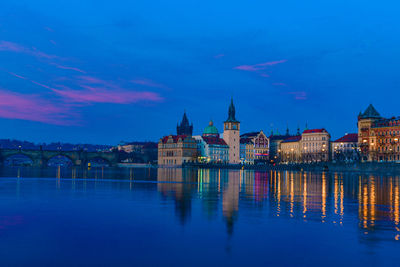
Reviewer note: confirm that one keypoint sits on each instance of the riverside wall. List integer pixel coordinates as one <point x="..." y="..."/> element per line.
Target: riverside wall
<point x="365" y="167"/>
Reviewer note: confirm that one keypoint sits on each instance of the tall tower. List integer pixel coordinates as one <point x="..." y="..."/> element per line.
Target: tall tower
<point x="367" y="140"/>
<point x="184" y="128"/>
<point x="232" y="135"/>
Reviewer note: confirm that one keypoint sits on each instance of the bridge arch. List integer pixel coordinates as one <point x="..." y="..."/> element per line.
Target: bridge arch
<point x="18" y="159"/>
<point x="59" y="159"/>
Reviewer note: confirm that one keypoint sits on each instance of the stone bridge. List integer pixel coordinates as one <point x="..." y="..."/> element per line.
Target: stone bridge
<point x="40" y="158"/>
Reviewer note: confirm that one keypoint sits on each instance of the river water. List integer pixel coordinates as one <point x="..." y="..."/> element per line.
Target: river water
<point x="193" y="217"/>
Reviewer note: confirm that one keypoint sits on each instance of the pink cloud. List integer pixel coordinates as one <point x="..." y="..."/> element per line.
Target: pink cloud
<point x="93" y="80"/>
<point x="69" y="68"/>
<point x="42" y="85"/>
<point x="103" y="95"/>
<point x="33" y="108"/>
<point x="16" y="48"/>
<point x="18" y="76"/>
<point x="147" y="82"/>
<point x="301" y="95"/>
<point x="260" y="66"/>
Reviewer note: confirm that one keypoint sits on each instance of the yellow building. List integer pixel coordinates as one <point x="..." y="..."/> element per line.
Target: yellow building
<point x="290" y="151"/>
<point x="175" y="150"/>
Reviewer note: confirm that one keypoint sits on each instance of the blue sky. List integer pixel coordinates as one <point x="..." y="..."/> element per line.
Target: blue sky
<point x="105" y="71"/>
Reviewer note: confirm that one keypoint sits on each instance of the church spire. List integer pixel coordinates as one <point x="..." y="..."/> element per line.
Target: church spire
<point x="232" y="112"/>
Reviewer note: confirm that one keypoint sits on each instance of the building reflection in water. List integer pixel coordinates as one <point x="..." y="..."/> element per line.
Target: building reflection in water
<point x="338" y="198"/>
<point x="371" y="202"/>
<point x="180" y="185"/>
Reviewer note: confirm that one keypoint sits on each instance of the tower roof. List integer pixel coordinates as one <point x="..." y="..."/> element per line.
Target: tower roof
<point x="370" y="112"/>
<point x="184" y="128"/>
<point x="231" y="113"/>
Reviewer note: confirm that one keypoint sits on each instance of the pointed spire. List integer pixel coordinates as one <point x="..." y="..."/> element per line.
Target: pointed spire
<point x="298" y="130"/>
<point x="306" y="126"/>
<point x="287" y="129"/>
<point x="232" y="112"/>
<point x="184" y="128"/>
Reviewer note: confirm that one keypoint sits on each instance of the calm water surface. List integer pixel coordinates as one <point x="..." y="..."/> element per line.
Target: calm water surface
<point x="197" y="217"/>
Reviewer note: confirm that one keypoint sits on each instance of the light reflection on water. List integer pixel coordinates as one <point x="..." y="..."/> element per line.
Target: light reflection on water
<point x="369" y="204"/>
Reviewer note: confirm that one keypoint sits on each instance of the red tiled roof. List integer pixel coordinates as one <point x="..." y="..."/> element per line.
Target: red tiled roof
<point x="175" y="138"/>
<point x="292" y="139"/>
<point x="348" y="138"/>
<point x="214" y="141"/>
<point x="315" y="131"/>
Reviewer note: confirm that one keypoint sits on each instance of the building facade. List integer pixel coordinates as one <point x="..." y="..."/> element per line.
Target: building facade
<point x="378" y="137"/>
<point x="212" y="148"/>
<point x="290" y="151"/>
<point x="366" y="136"/>
<point x="386" y="133"/>
<point x="232" y="135"/>
<point x="345" y="149"/>
<point x="175" y="150"/>
<point x="254" y="148"/>
<point x="246" y="151"/>
<point x="315" y="145"/>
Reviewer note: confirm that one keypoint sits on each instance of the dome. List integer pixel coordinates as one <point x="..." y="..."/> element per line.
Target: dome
<point x="210" y="130"/>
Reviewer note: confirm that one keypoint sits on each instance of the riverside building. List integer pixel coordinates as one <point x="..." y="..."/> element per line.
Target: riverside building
<point x="212" y="148"/>
<point x="345" y="149"/>
<point x="315" y="145"/>
<point x="175" y="150"/>
<point x="254" y="148"/>
<point x="290" y="151"/>
<point x="378" y="137"/>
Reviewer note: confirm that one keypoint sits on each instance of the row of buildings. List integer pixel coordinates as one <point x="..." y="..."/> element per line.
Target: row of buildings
<point x="377" y="140"/>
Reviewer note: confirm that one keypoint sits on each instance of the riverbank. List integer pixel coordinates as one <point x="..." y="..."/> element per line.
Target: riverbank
<point x="323" y="166"/>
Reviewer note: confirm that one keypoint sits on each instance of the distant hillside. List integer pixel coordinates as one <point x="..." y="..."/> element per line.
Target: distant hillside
<point x="17" y="144"/>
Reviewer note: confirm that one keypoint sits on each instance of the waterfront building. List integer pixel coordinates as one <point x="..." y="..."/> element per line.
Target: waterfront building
<point x="274" y="145"/>
<point x="366" y="137"/>
<point x="246" y="151"/>
<point x="290" y="151"/>
<point x="232" y="135"/>
<point x="212" y="148"/>
<point x="175" y="150"/>
<point x="345" y="149"/>
<point x="314" y="145"/>
<point x="257" y="146"/>
<point x="184" y="128"/>
<point x="378" y="137"/>
<point x="387" y="134"/>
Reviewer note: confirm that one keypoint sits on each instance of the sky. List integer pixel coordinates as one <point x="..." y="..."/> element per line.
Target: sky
<point x="102" y="72"/>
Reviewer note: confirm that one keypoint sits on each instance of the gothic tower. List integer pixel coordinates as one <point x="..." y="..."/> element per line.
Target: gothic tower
<point x="184" y="128"/>
<point x="232" y="135"/>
